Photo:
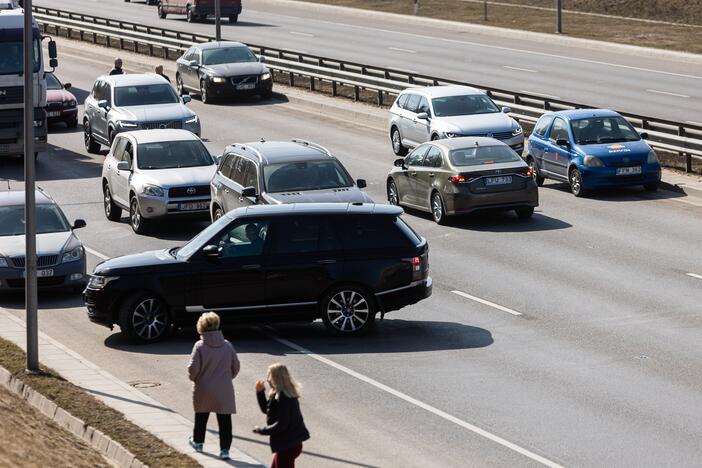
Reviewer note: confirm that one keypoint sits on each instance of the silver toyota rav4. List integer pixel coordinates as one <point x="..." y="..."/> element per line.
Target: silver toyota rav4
<point x="122" y="103"/>
<point x="435" y="112"/>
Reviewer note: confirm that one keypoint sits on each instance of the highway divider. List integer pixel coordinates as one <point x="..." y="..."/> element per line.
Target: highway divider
<point x="679" y="138"/>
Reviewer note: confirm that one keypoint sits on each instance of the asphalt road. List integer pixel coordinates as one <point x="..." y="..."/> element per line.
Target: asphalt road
<point x="658" y="87"/>
<point x="603" y="367"/>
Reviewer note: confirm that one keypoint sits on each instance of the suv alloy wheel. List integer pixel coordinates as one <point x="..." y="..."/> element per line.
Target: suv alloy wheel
<point x="348" y="310"/>
<point x="136" y="220"/>
<point x="144" y="318"/>
<point x="112" y="211"/>
<point x="91" y="145"/>
<point x="397" y="147"/>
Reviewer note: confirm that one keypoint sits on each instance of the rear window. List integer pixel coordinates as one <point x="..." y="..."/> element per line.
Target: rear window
<point x="376" y="232"/>
<point x="483" y="155"/>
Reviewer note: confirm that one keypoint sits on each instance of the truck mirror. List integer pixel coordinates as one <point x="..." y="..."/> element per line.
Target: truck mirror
<point x="53" y="63"/>
<point x="52" y="50"/>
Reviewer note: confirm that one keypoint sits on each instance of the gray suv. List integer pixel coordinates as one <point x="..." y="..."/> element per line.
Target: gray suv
<point x="121" y="103"/>
<point x="276" y="172"/>
<point x="435" y="112"/>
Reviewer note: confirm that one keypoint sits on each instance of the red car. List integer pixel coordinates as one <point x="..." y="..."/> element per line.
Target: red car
<point x="195" y="10"/>
<point x="60" y="103"/>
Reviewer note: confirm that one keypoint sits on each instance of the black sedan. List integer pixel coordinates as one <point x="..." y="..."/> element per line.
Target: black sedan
<point x="222" y="70"/>
<point x="461" y="175"/>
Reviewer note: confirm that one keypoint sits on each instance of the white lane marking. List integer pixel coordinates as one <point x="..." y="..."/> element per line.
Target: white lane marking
<point x="655" y="91"/>
<point x="694" y="275"/>
<point x="520" y="69"/>
<point x="398" y="49"/>
<point x="693" y="122"/>
<point x="488" y="303"/>
<point x="96" y="253"/>
<point x="539" y="94"/>
<point x="415" y="402"/>
<point x="297" y="33"/>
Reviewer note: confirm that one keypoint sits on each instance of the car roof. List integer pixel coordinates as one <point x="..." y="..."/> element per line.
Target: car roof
<point x="446" y="90"/>
<point x="467" y="142"/>
<point x="272" y="152"/>
<point x="134" y="79"/>
<point x="16" y="197"/>
<point x="574" y="114"/>
<point x="220" y="44"/>
<point x="315" y="208"/>
<point x="158" y="135"/>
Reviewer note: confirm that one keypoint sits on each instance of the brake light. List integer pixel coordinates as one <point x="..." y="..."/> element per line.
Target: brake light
<point x="527" y="171"/>
<point x="457" y="179"/>
<point x="417" y="268"/>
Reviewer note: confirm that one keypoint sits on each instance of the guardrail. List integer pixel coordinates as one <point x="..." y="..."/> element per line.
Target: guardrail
<point x="675" y="137"/>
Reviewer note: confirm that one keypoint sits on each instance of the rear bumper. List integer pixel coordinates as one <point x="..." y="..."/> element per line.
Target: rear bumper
<point x="66" y="275"/>
<point x="396" y="299"/>
<point x="603" y="177"/>
<point x="467" y="202"/>
<point x="224" y="10"/>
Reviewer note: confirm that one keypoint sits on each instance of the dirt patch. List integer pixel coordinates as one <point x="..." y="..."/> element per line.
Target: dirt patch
<point x="144" y="445"/>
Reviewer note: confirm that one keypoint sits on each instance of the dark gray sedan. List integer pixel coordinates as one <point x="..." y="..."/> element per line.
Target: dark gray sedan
<point x="461" y="175"/>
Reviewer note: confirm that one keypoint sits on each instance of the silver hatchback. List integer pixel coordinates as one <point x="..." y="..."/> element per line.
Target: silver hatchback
<point x="435" y="112"/>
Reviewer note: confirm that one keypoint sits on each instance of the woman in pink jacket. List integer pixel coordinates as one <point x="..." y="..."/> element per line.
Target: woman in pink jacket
<point x="213" y="366"/>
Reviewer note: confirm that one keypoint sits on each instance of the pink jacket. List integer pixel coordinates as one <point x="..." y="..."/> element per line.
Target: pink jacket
<point x="213" y="365"/>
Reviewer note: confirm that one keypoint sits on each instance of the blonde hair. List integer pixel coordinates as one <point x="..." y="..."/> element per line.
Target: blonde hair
<point x="209" y="321"/>
<point x="282" y="382"/>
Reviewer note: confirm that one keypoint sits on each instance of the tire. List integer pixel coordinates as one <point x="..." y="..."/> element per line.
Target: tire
<point x="204" y="97"/>
<point x="525" y="212"/>
<point x="110" y="136"/>
<point x="91" y="145"/>
<point x="179" y="85"/>
<point x="435" y="137"/>
<point x="396" y="141"/>
<point x="535" y="167"/>
<point x="652" y="187"/>
<point x="112" y="211"/>
<point x="144" y="318"/>
<point x="217" y="213"/>
<point x="161" y="14"/>
<point x="393" y="193"/>
<point x="437" y="209"/>
<point x="575" y="178"/>
<point x="136" y="220"/>
<point x="233" y="18"/>
<point x="72" y="124"/>
<point x="348" y="310"/>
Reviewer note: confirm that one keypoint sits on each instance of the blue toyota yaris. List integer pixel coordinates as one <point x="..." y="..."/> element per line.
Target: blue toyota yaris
<point x="591" y="148"/>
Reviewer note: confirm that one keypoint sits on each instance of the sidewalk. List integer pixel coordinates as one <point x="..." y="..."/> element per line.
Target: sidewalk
<point x="140" y="409"/>
<point x="689" y="184"/>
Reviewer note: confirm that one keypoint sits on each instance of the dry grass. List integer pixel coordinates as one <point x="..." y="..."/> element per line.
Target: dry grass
<point x="144" y="445"/>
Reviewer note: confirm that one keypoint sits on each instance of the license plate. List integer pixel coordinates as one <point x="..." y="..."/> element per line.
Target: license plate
<point x="40" y="273"/>
<point x="245" y="86"/>
<point x="629" y="170"/>
<point x="55" y="114"/>
<point x="193" y="206"/>
<point x="502" y="180"/>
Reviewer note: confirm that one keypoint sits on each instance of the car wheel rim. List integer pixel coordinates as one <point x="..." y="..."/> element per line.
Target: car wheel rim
<point x="179" y="83"/>
<point x="149" y="319"/>
<point x="348" y="311"/>
<point x="218" y="214"/>
<point x="86" y="134"/>
<point x="575" y="181"/>
<point x="108" y="202"/>
<point x="135" y="217"/>
<point x="396" y="141"/>
<point x="392" y="194"/>
<point x="436" y="208"/>
<point x="203" y="93"/>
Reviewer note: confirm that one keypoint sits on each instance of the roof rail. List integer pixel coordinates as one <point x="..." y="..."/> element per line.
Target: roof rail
<point x="300" y="141"/>
<point x="257" y="153"/>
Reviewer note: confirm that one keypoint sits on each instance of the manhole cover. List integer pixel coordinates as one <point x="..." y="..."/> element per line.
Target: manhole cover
<point x="144" y="384"/>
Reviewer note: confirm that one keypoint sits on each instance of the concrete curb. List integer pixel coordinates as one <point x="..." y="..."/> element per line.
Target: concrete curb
<point x="103" y="444"/>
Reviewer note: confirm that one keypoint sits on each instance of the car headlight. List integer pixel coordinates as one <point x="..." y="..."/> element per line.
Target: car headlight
<point x="592" y="161"/>
<point x="218" y="79"/>
<point x="69" y="104"/>
<point x="265" y="76"/>
<point x="652" y="158"/>
<point x="3" y="262"/>
<point x="72" y="255"/>
<point x="191" y="120"/>
<point x="517" y="131"/>
<point x="153" y="190"/>
<point x="99" y="282"/>
<point x="450" y="134"/>
<point x="124" y="124"/>
<point x="38" y="123"/>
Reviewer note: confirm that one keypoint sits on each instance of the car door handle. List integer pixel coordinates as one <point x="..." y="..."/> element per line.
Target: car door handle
<point x="327" y="261"/>
<point x="254" y="266"/>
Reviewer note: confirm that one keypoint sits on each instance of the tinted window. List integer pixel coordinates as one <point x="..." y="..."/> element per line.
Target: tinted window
<point x="412" y="102"/>
<point x="372" y="232"/>
<point x="304" y="234"/>
<point x="483" y="155"/>
<point x="559" y="131"/>
<point x="238" y="170"/>
<point x="228" y="55"/>
<point x="118" y="152"/>
<point x="305" y="175"/>
<point x="227" y="166"/>
<point x="48" y="219"/>
<point x="128" y="154"/>
<point x="52" y="82"/>
<point x="145" y="95"/>
<point x="434" y="158"/>
<point x="402" y="100"/>
<point x="250" y="174"/>
<point x="173" y="154"/>
<point x="603" y="130"/>
<point x="99" y="91"/>
<point x="245" y="239"/>
<point x="408" y="231"/>
<point x="468" y="104"/>
<point x="542" y="125"/>
<point x="12" y="57"/>
<point x="416" y="157"/>
<point x="423" y="105"/>
<point x="189" y="55"/>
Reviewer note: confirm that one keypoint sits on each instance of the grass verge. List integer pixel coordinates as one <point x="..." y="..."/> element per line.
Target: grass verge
<point x="145" y="446"/>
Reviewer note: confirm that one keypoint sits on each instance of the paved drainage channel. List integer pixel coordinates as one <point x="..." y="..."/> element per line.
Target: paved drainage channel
<point x="144" y="384"/>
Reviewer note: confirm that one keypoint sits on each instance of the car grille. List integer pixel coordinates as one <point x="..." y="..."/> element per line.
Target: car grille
<point x="237" y="80"/>
<point x="164" y="124"/>
<point x="41" y="282"/>
<point x="622" y="163"/>
<point x="189" y="191"/>
<point x="54" y="106"/>
<point x="11" y="95"/>
<point x="496" y="135"/>
<point x="42" y="261"/>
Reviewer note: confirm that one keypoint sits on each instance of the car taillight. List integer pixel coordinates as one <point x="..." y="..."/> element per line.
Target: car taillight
<point x="527" y="171"/>
<point x="457" y="179"/>
<point x="418" y="267"/>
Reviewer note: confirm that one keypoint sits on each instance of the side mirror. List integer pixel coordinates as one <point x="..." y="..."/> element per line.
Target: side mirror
<point x="212" y="251"/>
<point x="361" y="183"/>
<point x="67" y="86"/>
<point x="52" y="49"/>
<point x="193" y="63"/>
<point x="562" y="142"/>
<point x="102" y="104"/>
<point x="186" y="98"/>
<point x="506" y="110"/>
<point x="399" y="163"/>
<point x="123" y="166"/>
<point x="217" y="158"/>
<point x="261" y="59"/>
<point x="53" y="63"/>
<point x="423" y="116"/>
<point x="79" y="223"/>
<point x="248" y="192"/>
<point x="644" y="136"/>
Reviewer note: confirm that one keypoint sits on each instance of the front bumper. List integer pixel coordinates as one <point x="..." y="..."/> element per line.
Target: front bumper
<point x="65" y="115"/>
<point x="602" y="177"/>
<point x="176" y="124"/>
<point x="158" y="207"/>
<point x="462" y="200"/>
<point x="398" y="298"/>
<point x="65" y="275"/>
<point x="228" y="88"/>
<point x="12" y="132"/>
<point x="100" y="304"/>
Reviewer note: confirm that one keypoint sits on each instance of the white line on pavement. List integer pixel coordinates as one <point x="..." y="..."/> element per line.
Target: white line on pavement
<point x="655" y="91"/>
<point x="96" y="253"/>
<point x="539" y="94"/>
<point x="694" y="275"/>
<point x="297" y="33"/>
<point x="419" y="404"/>
<point x="520" y="69"/>
<point x="488" y="303"/>
<point x="408" y="51"/>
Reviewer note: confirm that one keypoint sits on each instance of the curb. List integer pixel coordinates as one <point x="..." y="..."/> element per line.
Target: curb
<point x="108" y="448"/>
<point x="682" y="188"/>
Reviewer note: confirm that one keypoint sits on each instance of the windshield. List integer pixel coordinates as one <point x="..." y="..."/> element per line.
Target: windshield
<point x="603" y="130"/>
<point x="12" y="55"/>
<point x="199" y="241"/>
<point x="483" y="155"/>
<point x="49" y="219"/>
<point x="228" y="55"/>
<point x="305" y="175"/>
<point x="468" y="104"/>
<point x="145" y="95"/>
<point x="52" y="82"/>
<point x="172" y="154"/>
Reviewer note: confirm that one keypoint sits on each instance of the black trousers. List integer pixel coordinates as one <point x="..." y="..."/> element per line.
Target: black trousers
<point x="224" y="421"/>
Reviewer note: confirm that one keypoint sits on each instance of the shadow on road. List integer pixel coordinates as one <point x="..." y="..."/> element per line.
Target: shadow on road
<point x="48" y="300"/>
<point x="247" y="101"/>
<point x="498" y="221"/>
<point x="619" y="194"/>
<point x="226" y="23"/>
<point x="55" y="164"/>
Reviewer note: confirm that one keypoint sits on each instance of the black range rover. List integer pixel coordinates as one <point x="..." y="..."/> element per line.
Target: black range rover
<point x="342" y="263"/>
